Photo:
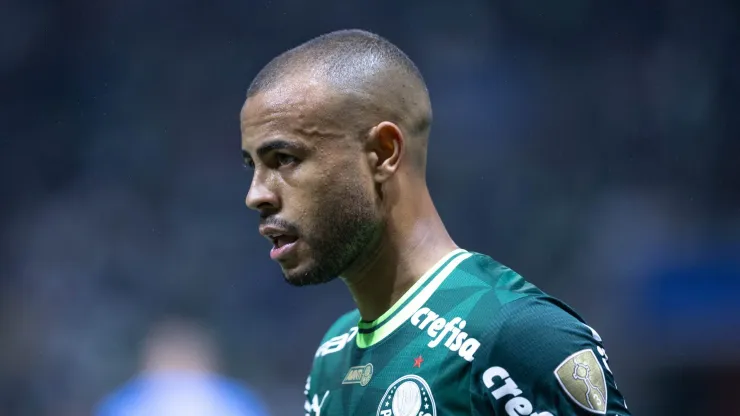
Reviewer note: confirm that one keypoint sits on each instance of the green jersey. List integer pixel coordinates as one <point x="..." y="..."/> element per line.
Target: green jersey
<point x="471" y="337"/>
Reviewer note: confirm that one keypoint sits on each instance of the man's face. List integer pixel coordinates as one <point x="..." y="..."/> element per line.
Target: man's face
<point x="311" y="182"/>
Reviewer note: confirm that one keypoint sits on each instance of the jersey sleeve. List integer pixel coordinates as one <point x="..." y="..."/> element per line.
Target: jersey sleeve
<point x="541" y="360"/>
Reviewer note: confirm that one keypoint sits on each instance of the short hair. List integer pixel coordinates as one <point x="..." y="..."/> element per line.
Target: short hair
<point x="343" y="52"/>
<point x="354" y="60"/>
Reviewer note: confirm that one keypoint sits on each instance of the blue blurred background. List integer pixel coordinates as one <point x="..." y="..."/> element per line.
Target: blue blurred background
<point x="592" y="146"/>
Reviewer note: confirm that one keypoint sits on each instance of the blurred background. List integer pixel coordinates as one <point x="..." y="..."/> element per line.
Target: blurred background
<point x="592" y="146"/>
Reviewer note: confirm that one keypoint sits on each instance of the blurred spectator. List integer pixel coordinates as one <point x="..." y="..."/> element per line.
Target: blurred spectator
<point x="179" y="378"/>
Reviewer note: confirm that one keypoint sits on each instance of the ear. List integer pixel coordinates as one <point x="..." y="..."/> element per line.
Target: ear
<point x="385" y="147"/>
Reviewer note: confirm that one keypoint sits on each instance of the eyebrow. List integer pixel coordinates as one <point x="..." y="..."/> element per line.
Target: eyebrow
<point x="273" y="145"/>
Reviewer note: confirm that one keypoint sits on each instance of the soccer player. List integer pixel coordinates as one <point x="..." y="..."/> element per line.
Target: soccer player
<point x="336" y="133"/>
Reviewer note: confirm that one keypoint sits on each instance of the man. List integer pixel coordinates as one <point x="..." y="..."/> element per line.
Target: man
<point x="336" y="132"/>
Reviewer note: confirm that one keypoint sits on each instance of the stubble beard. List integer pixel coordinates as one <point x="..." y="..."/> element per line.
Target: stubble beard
<point x="341" y="236"/>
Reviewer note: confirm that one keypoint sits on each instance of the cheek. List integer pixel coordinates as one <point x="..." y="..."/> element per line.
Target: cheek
<point x="331" y="194"/>
<point x="311" y="202"/>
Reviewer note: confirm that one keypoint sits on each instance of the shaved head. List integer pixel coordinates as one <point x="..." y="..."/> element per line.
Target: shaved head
<point x="369" y="81"/>
<point x="336" y="132"/>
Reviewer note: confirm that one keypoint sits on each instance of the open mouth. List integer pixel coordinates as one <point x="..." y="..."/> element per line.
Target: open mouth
<point x="282" y="245"/>
<point x="280" y="241"/>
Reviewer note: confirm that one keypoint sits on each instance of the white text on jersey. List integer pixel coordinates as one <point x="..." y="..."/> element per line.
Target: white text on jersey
<point x="501" y="385"/>
<point x="438" y="328"/>
<point x="313" y="406"/>
<point x="337" y="343"/>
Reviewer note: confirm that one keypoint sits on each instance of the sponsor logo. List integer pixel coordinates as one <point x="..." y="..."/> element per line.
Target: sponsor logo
<point x="313" y="405"/>
<point x="503" y="387"/>
<point x="359" y="375"/>
<point x="408" y="396"/>
<point x="439" y="329"/>
<point x="336" y="344"/>
<point x="582" y="378"/>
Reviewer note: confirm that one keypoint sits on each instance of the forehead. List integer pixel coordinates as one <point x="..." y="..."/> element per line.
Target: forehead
<point x="297" y="109"/>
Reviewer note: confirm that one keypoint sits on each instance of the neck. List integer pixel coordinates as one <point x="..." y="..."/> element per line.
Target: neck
<point x="398" y="259"/>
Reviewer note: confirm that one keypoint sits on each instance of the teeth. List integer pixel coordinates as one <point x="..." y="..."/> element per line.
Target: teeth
<point x="279" y="240"/>
<point x="274" y="238"/>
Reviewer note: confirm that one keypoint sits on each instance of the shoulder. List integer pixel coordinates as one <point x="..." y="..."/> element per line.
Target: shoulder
<point x="339" y="334"/>
<point x="503" y="295"/>
<point x="489" y="294"/>
<point x="535" y="351"/>
<point x="511" y="316"/>
<point x="506" y="284"/>
<point x="528" y="324"/>
<point x="540" y="354"/>
<point x="511" y="311"/>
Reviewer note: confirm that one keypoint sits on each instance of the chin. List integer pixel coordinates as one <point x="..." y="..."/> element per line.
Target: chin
<point x="307" y="276"/>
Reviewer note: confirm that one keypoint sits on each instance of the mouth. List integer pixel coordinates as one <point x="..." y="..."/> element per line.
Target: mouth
<point x="283" y="241"/>
<point x="282" y="244"/>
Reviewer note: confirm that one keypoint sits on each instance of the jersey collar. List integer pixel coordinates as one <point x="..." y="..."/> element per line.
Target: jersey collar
<point x="371" y="333"/>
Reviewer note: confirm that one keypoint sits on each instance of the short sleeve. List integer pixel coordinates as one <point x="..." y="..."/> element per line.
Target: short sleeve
<point x="542" y="360"/>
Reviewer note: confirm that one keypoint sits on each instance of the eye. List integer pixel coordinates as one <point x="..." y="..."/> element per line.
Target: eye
<point x="285" y="159"/>
<point x="249" y="164"/>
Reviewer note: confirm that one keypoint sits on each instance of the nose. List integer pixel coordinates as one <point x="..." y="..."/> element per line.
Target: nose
<point x="261" y="198"/>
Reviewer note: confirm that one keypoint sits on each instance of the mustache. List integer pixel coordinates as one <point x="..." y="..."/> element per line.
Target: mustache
<point x="280" y="224"/>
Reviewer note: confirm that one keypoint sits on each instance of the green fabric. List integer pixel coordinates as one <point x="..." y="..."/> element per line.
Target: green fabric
<point x="473" y="338"/>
